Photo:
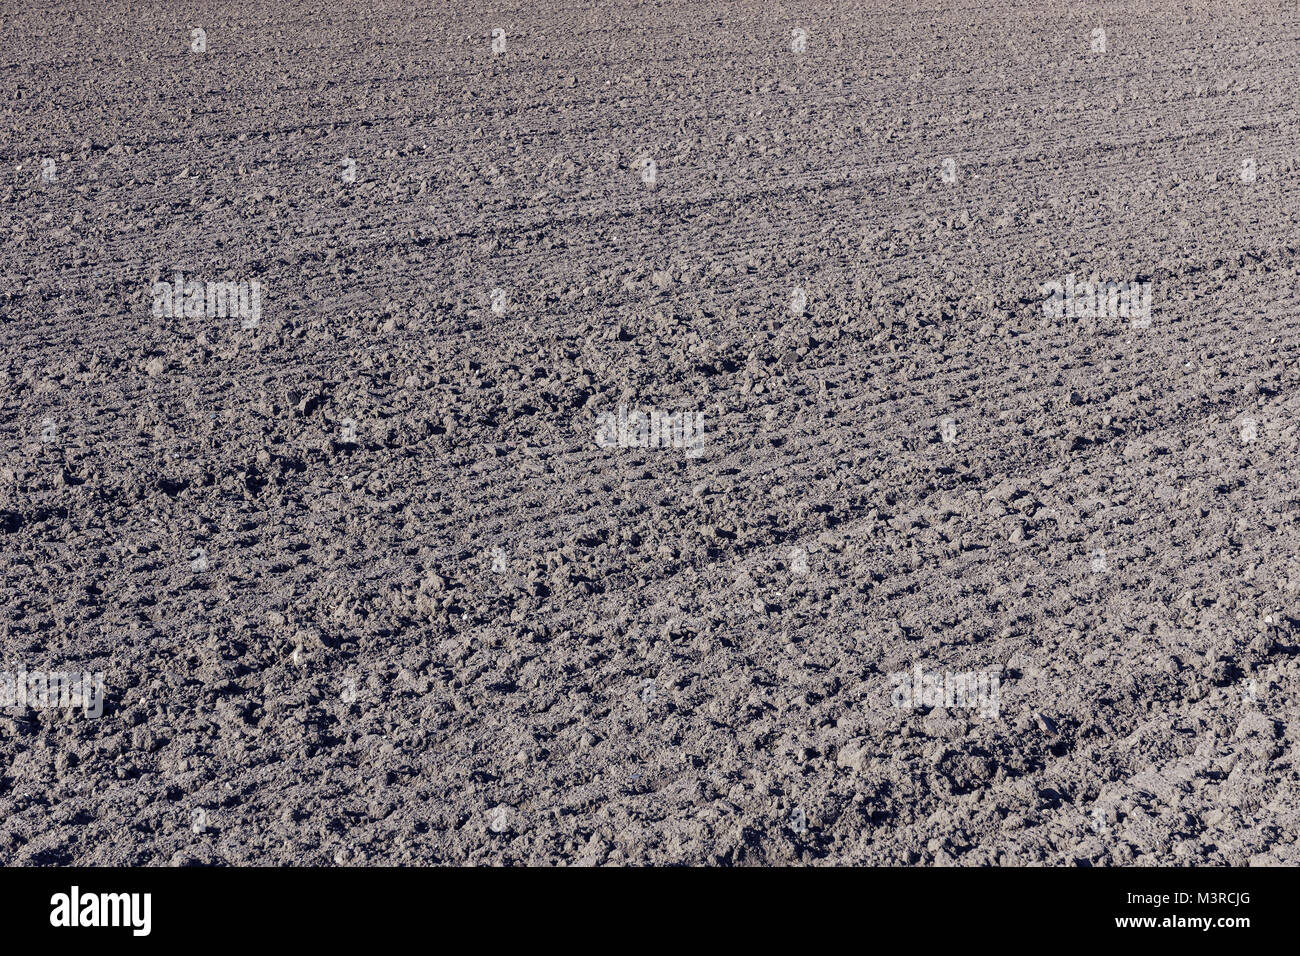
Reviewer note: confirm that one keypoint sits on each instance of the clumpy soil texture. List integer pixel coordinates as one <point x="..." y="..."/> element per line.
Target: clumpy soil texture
<point x="363" y="585"/>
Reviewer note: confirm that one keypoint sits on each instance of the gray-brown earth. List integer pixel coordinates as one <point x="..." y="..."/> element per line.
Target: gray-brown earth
<point x="434" y="621"/>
